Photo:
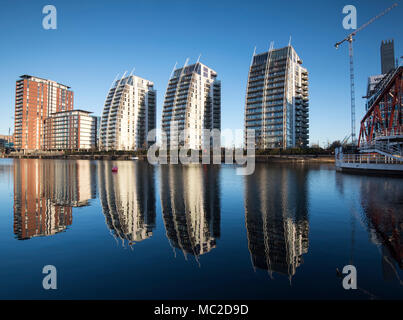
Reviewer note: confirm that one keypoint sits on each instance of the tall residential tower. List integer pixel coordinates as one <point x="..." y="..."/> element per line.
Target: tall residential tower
<point x="277" y="99"/>
<point x="35" y="100"/>
<point x="129" y="114"/>
<point x="193" y="103"/>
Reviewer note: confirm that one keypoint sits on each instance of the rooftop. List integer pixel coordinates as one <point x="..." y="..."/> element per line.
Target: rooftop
<point x="27" y="76"/>
<point x="72" y="111"/>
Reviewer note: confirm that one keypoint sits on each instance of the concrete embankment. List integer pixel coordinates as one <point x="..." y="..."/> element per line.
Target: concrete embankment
<point x="259" y="158"/>
<point x="295" y="158"/>
<point x="74" y="156"/>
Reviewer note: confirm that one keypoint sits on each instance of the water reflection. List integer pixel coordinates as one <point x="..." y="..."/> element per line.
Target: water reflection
<point x="128" y="199"/>
<point x="382" y="203"/>
<point x="45" y="192"/>
<point x="190" y="198"/>
<point x="276" y="214"/>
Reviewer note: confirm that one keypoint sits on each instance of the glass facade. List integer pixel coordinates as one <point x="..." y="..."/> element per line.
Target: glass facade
<point x="277" y="100"/>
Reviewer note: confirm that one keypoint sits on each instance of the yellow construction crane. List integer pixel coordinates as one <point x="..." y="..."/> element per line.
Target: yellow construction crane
<point x="350" y="40"/>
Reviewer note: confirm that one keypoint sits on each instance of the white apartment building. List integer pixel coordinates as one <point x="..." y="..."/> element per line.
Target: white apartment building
<point x="192" y="104"/>
<point x="129" y="114"/>
<point x="277" y="105"/>
<point x="70" y="130"/>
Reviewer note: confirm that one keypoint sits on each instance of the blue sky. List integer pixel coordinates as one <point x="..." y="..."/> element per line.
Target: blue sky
<point x="96" y="40"/>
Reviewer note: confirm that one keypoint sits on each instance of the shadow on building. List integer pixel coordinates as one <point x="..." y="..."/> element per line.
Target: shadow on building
<point x="276" y="215"/>
<point x="128" y="199"/>
<point x="45" y="192"/>
<point x="190" y="200"/>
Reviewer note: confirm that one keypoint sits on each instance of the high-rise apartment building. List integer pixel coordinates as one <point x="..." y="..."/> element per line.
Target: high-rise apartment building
<point x="277" y="99"/>
<point x="387" y="56"/>
<point x="192" y="104"/>
<point x="129" y="114"/>
<point x="35" y="100"/>
<point x="71" y="130"/>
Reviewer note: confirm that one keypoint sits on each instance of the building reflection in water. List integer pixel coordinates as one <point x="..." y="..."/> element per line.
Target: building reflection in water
<point x="45" y="192"/>
<point x="190" y="198"/>
<point x="276" y="214"/>
<point x="128" y="199"/>
<point x="382" y="202"/>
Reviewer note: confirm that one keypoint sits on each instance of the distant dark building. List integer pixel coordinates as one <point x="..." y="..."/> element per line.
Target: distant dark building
<point x="6" y="142"/>
<point x="387" y="64"/>
<point x="387" y="56"/>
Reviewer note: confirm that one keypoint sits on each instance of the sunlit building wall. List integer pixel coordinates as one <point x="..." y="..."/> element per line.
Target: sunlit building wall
<point x="129" y="114"/>
<point x="192" y="103"/>
<point x="35" y="100"/>
<point x="71" y="130"/>
<point x="277" y="100"/>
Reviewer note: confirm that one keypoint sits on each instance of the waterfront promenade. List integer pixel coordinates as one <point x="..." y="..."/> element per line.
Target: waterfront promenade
<point x="321" y="158"/>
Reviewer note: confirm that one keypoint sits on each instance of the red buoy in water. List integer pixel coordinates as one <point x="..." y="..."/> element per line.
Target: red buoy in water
<point x="115" y="169"/>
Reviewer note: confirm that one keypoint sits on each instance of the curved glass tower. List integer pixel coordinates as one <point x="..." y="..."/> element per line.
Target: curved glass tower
<point x="192" y="104"/>
<point x="129" y="114"/>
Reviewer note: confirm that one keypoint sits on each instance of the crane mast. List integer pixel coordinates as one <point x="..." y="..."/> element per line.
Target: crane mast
<point x="352" y="90"/>
<point x="350" y="39"/>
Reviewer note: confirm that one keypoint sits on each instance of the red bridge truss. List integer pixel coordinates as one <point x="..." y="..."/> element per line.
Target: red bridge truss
<point x="384" y="116"/>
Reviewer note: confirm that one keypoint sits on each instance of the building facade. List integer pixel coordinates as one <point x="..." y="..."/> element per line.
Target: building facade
<point x="70" y="130"/>
<point x="387" y="56"/>
<point x="129" y="114"/>
<point x="277" y="105"/>
<point x="35" y="100"/>
<point x="192" y="104"/>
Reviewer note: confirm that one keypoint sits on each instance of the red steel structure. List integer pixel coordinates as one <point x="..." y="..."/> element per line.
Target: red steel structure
<point x="384" y="115"/>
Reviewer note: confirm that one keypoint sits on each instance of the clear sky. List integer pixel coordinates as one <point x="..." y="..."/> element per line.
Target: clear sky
<point x="96" y="40"/>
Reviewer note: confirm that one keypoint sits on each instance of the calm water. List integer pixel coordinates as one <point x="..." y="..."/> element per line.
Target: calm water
<point x="197" y="232"/>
